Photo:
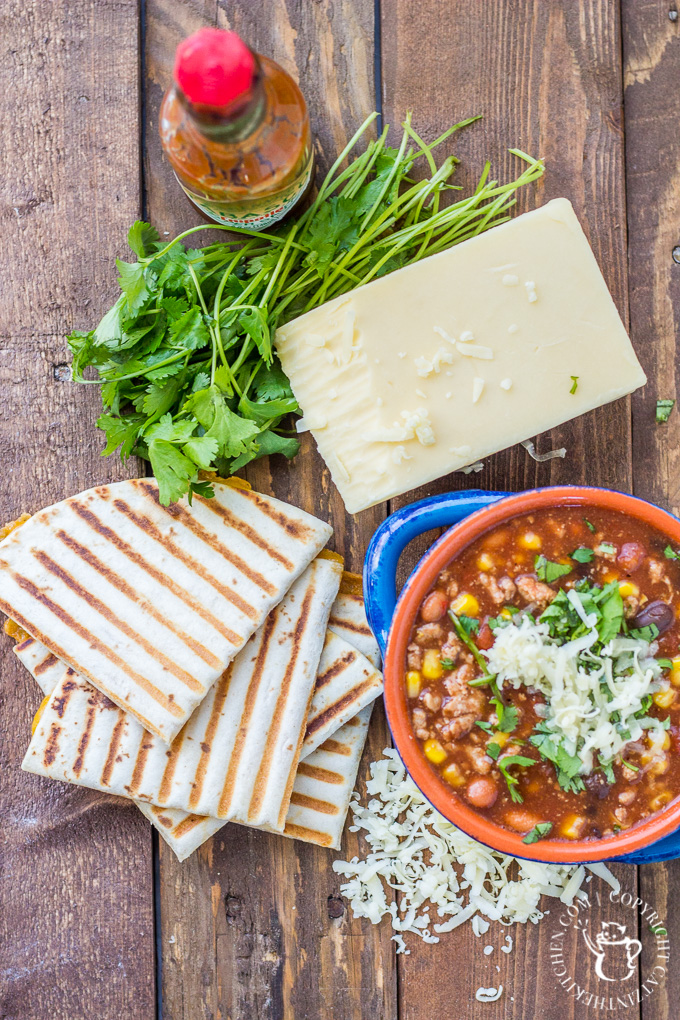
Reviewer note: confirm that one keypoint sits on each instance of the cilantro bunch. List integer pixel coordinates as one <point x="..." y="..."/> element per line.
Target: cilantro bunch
<point x="185" y="360"/>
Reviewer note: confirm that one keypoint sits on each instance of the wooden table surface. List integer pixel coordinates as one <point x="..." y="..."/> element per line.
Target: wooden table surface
<point x="97" y="919"/>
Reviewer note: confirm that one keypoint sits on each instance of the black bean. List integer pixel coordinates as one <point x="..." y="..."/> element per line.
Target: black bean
<point x="658" y="613"/>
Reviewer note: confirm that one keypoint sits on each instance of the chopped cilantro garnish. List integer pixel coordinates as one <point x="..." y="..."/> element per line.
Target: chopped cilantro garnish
<point x="582" y="554"/>
<point x="606" y="548"/>
<point x="508" y="716"/>
<point x="648" y="633"/>
<point x="629" y="765"/>
<point x="670" y="553"/>
<point x="493" y="750"/>
<point x="550" y="748"/>
<point x="665" y="663"/>
<point x="548" y="571"/>
<point x="482" y="681"/>
<point x="663" y="410"/>
<point x="539" y="831"/>
<point x="469" y="623"/>
<point x="589" y="525"/>
<point x="574" y="387"/>
<point x="605" y="604"/>
<point x="483" y="725"/>
<point x="504" y="764"/>
<point x="447" y="663"/>
<point x="608" y="770"/>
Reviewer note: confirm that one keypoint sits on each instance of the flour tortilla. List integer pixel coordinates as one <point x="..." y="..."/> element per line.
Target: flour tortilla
<point x="348" y="621"/>
<point x="346" y="683"/>
<point x="151" y="603"/>
<point x="237" y="756"/>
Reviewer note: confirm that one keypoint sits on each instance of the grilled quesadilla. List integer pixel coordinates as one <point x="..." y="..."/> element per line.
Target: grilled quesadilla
<point x="319" y="803"/>
<point x="348" y="621"/>
<point x="151" y="603"/>
<point x="346" y="683"/>
<point x="236" y="758"/>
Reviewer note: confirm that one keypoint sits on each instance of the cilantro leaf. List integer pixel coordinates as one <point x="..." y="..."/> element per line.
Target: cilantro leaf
<point x="548" y="571"/>
<point x="508" y="716"/>
<point x="663" y="410"/>
<point x="447" y="663"/>
<point x="670" y="553"/>
<point x="133" y="284"/>
<point x="512" y="781"/>
<point x="140" y="238"/>
<point x="582" y="554"/>
<point x="589" y="525"/>
<point x="539" y="831"/>
<point x="189" y="332"/>
<point x="120" y="432"/>
<point x="172" y="469"/>
<point x="483" y="725"/>
<point x="267" y="444"/>
<point x="493" y="750"/>
<point x="202" y="450"/>
<point x="469" y="623"/>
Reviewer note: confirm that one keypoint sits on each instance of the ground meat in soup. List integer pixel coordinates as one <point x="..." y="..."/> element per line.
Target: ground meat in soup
<point x="497" y="578"/>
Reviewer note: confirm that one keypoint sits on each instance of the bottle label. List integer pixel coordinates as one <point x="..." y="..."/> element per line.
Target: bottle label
<point x="261" y="215"/>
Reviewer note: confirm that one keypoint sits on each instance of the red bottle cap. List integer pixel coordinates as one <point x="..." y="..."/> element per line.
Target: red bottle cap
<point x="214" y="67"/>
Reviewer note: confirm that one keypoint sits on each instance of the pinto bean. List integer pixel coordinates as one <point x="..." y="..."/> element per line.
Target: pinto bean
<point x="631" y="556"/>
<point x="434" y="607"/>
<point x="520" y="819"/>
<point x="657" y="612"/>
<point x="482" y="793"/>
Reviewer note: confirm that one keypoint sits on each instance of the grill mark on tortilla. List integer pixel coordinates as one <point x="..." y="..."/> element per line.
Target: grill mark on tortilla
<point x="113" y="748"/>
<point x="322" y="806"/>
<point x="251" y="695"/>
<point x="94" y="603"/>
<point x="146" y="525"/>
<point x="308" y="835"/>
<point x="277" y="717"/>
<point x="190" y="522"/>
<point x="294" y="528"/>
<point x="24" y="645"/>
<point x="108" y="653"/>
<point x="169" y="772"/>
<point x="52" y="745"/>
<point x="245" y="529"/>
<point x="221" y="691"/>
<point x="102" y="529"/>
<point x="67" y="687"/>
<point x="339" y="706"/>
<point x="47" y="663"/>
<point x="355" y="628"/>
<point x="84" y="740"/>
<point x="186" y="825"/>
<point x="321" y="775"/>
<point x="334" y="747"/>
<point x="339" y="666"/>
<point x="130" y="593"/>
<point x="140" y="764"/>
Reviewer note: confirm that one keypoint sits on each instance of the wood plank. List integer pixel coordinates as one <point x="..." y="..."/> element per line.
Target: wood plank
<point x="547" y="78"/>
<point x="256" y="921"/>
<point x="651" y="48"/>
<point x="76" y="889"/>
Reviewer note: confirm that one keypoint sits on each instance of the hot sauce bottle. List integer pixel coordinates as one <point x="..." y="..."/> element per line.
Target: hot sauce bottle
<point x="235" y="128"/>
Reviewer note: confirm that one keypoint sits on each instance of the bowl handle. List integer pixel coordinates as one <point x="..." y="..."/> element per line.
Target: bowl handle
<point x="395" y="533"/>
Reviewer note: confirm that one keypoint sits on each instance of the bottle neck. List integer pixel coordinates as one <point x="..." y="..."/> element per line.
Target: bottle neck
<point x="229" y="124"/>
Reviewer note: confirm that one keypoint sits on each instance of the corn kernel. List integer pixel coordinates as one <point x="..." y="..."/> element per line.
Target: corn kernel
<point x="572" y="826"/>
<point x="664" y="698"/>
<point x="498" y="738"/>
<point x="484" y="561"/>
<point x="627" y="588"/>
<point x="661" y="799"/>
<point x="646" y="757"/>
<point x="466" y="605"/>
<point x="506" y="614"/>
<point x="530" y="540"/>
<point x="36" y="717"/>
<point x="434" y="752"/>
<point x="659" y="766"/>
<point x="610" y="576"/>
<point x="432" y="665"/>
<point x="453" y="775"/>
<point x="413" y="683"/>
<point x="675" y="672"/>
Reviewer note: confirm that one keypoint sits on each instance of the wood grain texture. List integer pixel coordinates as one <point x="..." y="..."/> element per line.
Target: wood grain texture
<point x="651" y="49"/>
<point x="547" y="78"/>
<point x="76" y="914"/>
<point x="256" y="921"/>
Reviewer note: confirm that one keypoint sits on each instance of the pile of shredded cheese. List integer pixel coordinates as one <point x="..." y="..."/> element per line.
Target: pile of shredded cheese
<point x="592" y="697"/>
<point x="434" y="867"/>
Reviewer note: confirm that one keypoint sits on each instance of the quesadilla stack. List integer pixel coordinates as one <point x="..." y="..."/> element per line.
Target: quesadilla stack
<point x="238" y="755"/>
<point x="151" y="603"/>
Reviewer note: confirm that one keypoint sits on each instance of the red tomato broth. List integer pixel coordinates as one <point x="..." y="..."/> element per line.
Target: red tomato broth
<point x="445" y="708"/>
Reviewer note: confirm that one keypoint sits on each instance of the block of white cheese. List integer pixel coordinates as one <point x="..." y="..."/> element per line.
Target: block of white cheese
<point x="467" y="352"/>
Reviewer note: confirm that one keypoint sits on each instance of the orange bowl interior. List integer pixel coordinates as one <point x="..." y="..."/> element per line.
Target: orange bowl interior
<point x="435" y="789"/>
